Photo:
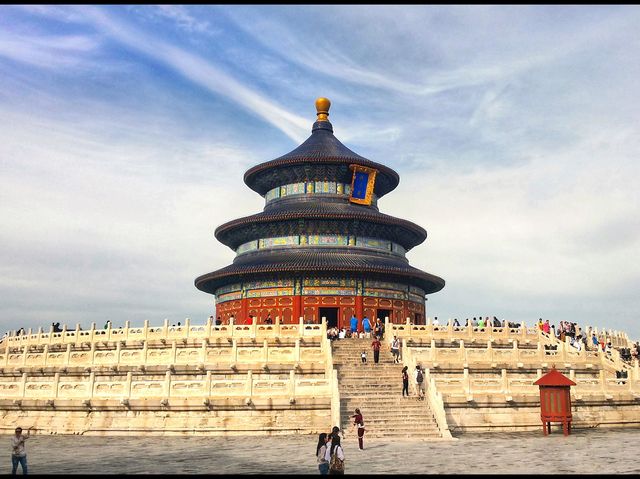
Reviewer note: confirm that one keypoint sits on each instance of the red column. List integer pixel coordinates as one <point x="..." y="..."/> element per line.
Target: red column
<point x="297" y="308"/>
<point x="359" y="308"/>
<point x="243" y="311"/>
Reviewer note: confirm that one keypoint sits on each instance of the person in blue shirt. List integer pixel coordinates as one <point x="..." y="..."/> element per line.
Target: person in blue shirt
<point x="366" y="325"/>
<point x="354" y="325"/>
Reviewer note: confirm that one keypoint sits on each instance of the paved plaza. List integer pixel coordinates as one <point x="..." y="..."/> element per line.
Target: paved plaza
<point x="584" y="452"/>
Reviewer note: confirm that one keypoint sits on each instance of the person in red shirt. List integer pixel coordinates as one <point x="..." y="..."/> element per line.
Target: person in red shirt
<point x="359" y="422"/>
<point x="376" y="349"/>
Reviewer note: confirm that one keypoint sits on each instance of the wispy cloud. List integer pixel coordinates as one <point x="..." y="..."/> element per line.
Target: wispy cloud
<point x="201" y="72"/>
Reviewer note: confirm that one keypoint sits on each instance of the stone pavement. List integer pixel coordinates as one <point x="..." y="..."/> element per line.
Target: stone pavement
<point x="612" y="451"/>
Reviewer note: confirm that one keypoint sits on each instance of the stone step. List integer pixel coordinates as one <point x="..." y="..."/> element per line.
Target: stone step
<point x="372" y="403"/>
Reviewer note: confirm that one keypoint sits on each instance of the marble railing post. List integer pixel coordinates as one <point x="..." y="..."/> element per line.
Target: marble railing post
<point x="603" y="380"/>
<point x="174" y="351"/>
<point x="234" y="351"/>
<point x="203" y="349"/>
<point x="107" y="336"/>
<point x="145" y="350"/>
<point x="249" y="385"/>
<point x="24" y="354"/>
<point x="523" y="330"/>
<point x="208" y="327"/>
<point x="127" y="387"/>
<point x="490" y="350"/>
<point x="167" y="385"/>
<point x="93" y="333"/>
<point x="387" y="332"/>
<point x="253" y="328"/>
<point x="432" y="350"/>
<point x="67" y="354"/>
<point x="118" y="348"/>
<point x="145" y="330"/>
<point x="45" y="354"/>
<point x="505" y="381"/>
<point x="187" y="327"/>
<point x="165" y="329"/>
<point x="207" y="384"/>
<point x="461" y="352"/>
<point x="297" y="351"/>
<point x="93" y="353"/>
<point x="23" y="386"/>
<point x="466" y="382"/>
<point x="292" y="385"/>
<point x="127" y="326"/>
<point x="265" y="351"/>
<point x="300" y="326"/>
<point x="335" y="399"/>
<point x="276" y="329"/>
<point x="92" y="382"/>
<point x="56" y="384"/>
<point x="323" y="329"/>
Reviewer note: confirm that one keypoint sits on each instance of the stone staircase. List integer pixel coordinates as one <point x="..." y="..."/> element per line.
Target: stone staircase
<point x="377" y="390"/>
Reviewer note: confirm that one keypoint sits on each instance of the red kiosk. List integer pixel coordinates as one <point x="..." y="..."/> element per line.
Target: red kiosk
<point x="555" y="400"/>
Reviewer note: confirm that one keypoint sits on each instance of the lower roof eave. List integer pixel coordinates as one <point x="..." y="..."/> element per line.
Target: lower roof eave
<point x="210" y="282"/>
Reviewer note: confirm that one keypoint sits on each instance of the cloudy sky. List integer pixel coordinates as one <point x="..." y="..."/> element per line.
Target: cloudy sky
<point x="125" y="133"/>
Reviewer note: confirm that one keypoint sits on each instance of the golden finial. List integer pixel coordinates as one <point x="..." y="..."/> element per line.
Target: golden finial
<point x="322" y="107"/>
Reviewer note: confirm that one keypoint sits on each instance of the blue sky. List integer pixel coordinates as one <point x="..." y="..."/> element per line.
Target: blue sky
<point x="126" y="131"/>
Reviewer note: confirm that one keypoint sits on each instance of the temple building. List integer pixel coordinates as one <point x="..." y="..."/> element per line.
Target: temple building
<point x="320" y="248"/>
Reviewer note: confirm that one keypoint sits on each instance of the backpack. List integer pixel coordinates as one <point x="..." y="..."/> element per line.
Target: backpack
<point x="336" y="464"/>
<point x="419" y="377"/>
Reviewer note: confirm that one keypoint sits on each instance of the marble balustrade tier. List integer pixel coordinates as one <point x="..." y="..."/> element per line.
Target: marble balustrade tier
<point x="168" y="386"/>
<point x="168" y="333"/>
<point x="174" y="353"/>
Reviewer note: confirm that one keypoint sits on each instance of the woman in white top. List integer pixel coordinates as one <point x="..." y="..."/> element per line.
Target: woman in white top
<point x="321" y="452"/>
<point x="336" y="449"/>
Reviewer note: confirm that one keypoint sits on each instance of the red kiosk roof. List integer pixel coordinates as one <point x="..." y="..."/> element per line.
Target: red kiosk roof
<point x="554" y="378"/>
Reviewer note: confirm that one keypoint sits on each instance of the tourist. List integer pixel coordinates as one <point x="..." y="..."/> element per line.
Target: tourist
<point x="342" y="334"/>
<point x="354" y="325"/>
<point x="455" y="323"/>
<point x="405" y="381"/>
<point x="218" y="322"/>
<point x="366" y="325"/>
<point x="436" y="322"/>
<point x="381" y="330"/>
<point x="358" y="421"/>
<point x="321" y="452"/>
<point x="474" y="322"/>
<point x="335" y="431"/>
<point x="376" y="344"/>
<point x="395" y="349"/>
<point x="481" y="324"/>
<point x="231" y="320"/>
<point x="540" y="323"/>
<point x="335" y="456"/>
<point x="19" y="453"/>
<point x="419" y="377"/>
<point x="546" y="327"/>
<point x="268" y="320"/>
<point x="377" y="329"/>
<point x="363" y="356"/>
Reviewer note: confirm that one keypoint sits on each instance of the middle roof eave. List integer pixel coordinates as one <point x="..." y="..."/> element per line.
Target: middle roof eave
<point x="413" y="234"/>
